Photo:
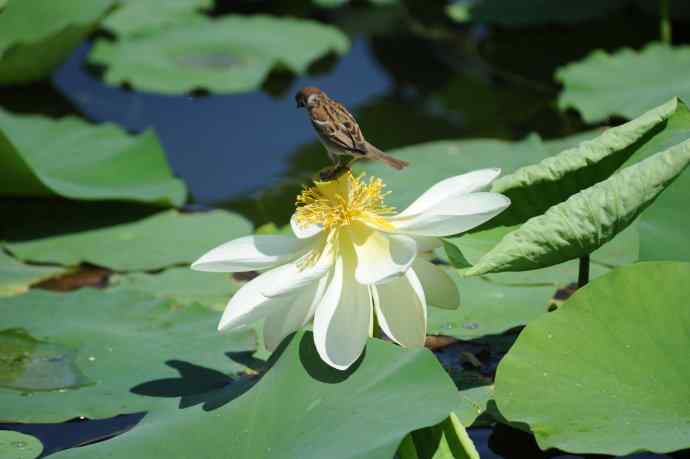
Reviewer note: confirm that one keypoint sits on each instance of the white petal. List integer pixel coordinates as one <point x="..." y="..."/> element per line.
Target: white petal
<point x="380" y="256"/>
<point x="427" y="243"/>
<point x="401" y="310"/>
<point x="343" y="319"/>
<point x="439" y="288"/>
<point x="249" y="253"/>
<point x="295" y="275"/>
<point x="248" y="305"/>
<point x="451" y="187"/>
<point x="304" y="232"/>
<point x="453" y="216"/>
<point x="294" y="315"/>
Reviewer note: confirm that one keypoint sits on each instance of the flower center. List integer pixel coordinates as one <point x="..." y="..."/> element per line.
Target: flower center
<point x="340" y="202"/>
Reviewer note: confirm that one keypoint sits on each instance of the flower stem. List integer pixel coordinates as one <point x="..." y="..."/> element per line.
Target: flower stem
<point x="407" y="449"/>
<point x="583" y="274"/>
<point x="665" y="25"/>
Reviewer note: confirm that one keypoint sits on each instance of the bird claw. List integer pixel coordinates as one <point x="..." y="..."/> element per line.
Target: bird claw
<point x="334" y="172"/>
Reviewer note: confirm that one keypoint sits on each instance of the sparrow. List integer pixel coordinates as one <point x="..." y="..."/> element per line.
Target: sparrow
<point x="338" y="130"/>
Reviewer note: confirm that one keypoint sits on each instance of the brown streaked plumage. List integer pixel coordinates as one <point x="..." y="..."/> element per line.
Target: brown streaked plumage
<point x="338" y="130"/>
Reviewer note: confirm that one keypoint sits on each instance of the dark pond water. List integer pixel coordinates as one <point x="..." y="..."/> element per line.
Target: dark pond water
<point x="406" y="80"/>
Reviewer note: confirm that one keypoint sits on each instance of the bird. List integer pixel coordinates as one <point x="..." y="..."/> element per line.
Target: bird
<point x="338" y="130"/>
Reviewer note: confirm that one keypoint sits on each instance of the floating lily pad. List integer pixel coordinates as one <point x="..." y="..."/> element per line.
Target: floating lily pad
<point x="625" y="83"/>
<point x="17" y="445"/>
<point x="135" y="17"/>
<point x="229" y="54"/>
<point x="37" y="35"/>
<point x="70" y="158"/>
<point x="603" y="374"/>
<point x="531" y="12"/>
<point x="17" y="277"/>
<point x="183" y="286"/>
<point x="97" y="357"/>
<point x="291" y="411"/>
<point x="164" y="239"/>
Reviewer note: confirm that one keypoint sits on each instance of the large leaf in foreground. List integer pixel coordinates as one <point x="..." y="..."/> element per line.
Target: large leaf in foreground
<point x="37" y="35"/>
<point x="588" y="219"/>
<point x="92" y="353"/>
<point x="71" y="158"/>
<point x="606" y="373"/>
<point x="534" y="188"/>
<point x="292" y="410"/>
<point x="17" y="277"/>
<point x="625" y="83"/>
<point x="164" y="239"/>
<point x="230" y="54"/>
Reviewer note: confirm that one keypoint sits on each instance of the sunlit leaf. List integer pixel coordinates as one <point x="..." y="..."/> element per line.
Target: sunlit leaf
<point x="17" y="445"/>
<point x="37" y="35"/>
<point x="97" y="354"/>
<point x="164" y="239"/>
<point x="292" y="410"/>
<point x="17" y="277"/>
<point x="625" y="83"/>
<point x="603" y="374"/>
<point x="588" y="219"/>
<point x="71" y="158"/>
<point x="534" y="188"/>
<point x="229" y="54"/>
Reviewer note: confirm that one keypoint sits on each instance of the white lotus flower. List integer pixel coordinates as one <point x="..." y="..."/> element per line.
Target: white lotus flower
<point x="352" y="257"/>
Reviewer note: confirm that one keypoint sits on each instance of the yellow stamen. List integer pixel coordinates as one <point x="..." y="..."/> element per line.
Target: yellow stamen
<point x="338" y="203"/>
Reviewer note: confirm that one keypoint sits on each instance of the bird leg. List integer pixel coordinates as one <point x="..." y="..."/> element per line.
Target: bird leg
<point x="341" y="166"/>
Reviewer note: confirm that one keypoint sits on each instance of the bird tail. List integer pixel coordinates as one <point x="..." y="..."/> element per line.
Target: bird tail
<point x="395" y="163"/>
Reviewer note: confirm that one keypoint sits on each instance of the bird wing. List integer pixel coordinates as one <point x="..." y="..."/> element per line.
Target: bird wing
<point x="336" y="124"/>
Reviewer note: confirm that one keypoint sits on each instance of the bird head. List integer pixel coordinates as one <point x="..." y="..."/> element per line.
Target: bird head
<point x="306" y="97"/>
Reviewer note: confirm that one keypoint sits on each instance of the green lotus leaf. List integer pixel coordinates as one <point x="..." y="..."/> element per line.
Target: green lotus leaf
<point x="588" y="219"/>
<point x="603" y="373"/>
<point x="134" y="17"/>
<point x="292" y="410"/>
<point x="183" y="286"/>
<point x="229" y="54"/>
<point x="37" y="35"/>
<point x="534" y="188"/>
<point x="164" y="239"/>
<point x="95" y="354"/>
<point x="17" y="277"/>
<point x="531" y="12"/>
<point x="625" y="83"/>
<point x="17" y="445"/>
<point x="73" y="159"/>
